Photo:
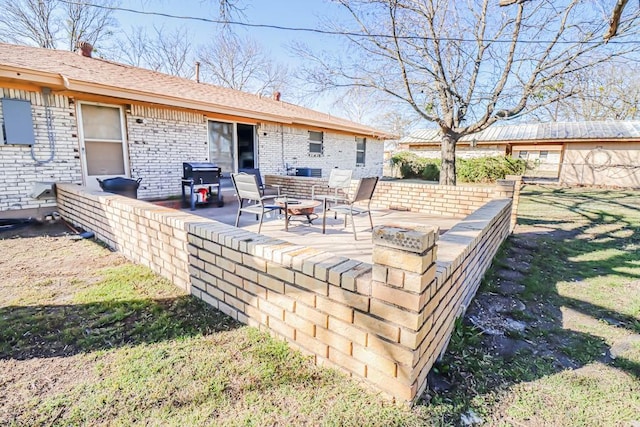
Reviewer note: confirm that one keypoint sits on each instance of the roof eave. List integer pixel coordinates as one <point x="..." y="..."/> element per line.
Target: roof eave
<point x="61" y="82"/>
<point x="345" y="128"/>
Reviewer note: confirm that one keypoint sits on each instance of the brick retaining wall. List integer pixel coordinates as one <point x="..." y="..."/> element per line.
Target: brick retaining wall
<point x="434" y="199"/>
<point x="385" y="323"/>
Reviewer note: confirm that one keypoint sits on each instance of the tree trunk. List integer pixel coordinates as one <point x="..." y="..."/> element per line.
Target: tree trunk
<point x="448" y="168"/>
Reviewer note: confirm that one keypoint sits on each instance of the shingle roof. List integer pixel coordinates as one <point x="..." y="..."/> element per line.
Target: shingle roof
<point x="136" y="82"/>
<point x="555" y="131"/>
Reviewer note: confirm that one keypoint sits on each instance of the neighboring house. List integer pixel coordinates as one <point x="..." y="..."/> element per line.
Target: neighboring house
<point x="68" y="117"/>
<point x="576" y="153"/>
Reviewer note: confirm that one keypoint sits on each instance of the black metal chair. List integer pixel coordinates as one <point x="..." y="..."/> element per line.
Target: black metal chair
<point x="247" y="189"/>
<point x="363" y="193"/>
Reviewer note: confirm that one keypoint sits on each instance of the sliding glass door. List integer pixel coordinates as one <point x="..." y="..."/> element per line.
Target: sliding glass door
<point x="232" y="146"/>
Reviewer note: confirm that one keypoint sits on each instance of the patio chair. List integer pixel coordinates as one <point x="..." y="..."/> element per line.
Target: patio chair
<point x="246" y="186"/>
<point x="264" y="189"/>
<point x="364" y="192"/>
<point x="338" y="187"/>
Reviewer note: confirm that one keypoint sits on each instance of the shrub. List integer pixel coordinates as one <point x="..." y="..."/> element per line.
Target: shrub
<point x="480" y="169"/>
<point x="431" y="171"/>
<point x="488" y="169"/>
<point x="413" y="166"/>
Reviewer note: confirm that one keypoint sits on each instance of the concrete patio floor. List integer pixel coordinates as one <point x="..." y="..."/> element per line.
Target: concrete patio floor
<point x="338" y="239"/>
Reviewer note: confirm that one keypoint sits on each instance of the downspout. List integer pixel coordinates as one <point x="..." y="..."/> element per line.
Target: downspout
<point x="65" y="81"/>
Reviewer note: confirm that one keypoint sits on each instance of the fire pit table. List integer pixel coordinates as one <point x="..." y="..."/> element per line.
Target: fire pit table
<point x="297" y="207"/>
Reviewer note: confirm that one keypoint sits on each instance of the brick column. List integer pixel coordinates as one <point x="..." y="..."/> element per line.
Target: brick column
<point x="517" y="179"/>
<point x="403" y="282"/>
<point x="505" y="189"/>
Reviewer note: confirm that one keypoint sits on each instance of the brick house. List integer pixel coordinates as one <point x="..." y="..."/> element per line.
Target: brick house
<point x="71" y="118"/>
<point x="575" y="153"/>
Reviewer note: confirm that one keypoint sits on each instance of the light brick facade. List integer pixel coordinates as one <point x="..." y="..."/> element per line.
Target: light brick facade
<point x="158" y="141"/>
<point x="281" y="146"/>
<point x="19" y="171"/>
<point x="385" y="323"/>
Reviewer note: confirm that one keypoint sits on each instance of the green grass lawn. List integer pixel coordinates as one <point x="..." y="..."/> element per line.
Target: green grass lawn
<point x="110" y="343"/>
<point x="87" y="338"/>
<point x="578" y="360"/>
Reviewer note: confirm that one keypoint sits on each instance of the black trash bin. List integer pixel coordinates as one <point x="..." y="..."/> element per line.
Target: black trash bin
<point x="124" y="186"/>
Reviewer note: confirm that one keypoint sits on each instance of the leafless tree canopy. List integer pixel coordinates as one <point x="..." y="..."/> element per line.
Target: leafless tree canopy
<point x="464" y="65"/>
<point x="29" y="22"/>
<point x="240" y="63"/>
<point x="85" y="23"/>
<point x="54" y="24"/>
<point x="609" y="91"/>
<point x="167" y="51"/>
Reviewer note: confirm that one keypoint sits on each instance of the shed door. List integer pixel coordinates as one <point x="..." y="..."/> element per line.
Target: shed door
<point x="103" y="144"/>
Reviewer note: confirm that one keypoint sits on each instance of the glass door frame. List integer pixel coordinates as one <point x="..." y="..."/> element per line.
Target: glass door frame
<point x="235" y="159"/>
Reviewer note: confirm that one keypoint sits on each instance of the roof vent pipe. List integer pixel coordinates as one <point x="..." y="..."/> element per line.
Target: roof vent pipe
<point x="276" y="95"/>
<point x="197" y="72"/>
<point x="85" y="49"/>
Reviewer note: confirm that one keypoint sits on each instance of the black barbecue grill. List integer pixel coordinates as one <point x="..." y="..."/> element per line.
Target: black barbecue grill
<point x="205" y="176"/>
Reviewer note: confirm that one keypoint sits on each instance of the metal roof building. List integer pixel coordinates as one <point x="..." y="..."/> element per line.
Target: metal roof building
<point x="539" y="132"/>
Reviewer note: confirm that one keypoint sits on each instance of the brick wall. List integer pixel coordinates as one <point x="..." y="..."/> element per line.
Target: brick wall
<point x="385" y="323"/>
<point x="434" y="199"/>
<point x="281" y="145"/>
<point x="147" y="234"/>
<point x="18" y="169"/>
<point x="159" y="141"/>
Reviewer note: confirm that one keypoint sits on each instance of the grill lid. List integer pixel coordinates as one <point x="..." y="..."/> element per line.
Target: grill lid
<point x="199" y="166"/>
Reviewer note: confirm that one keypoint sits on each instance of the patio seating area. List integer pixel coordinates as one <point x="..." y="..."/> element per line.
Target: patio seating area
<point x="327" y="294"/>
<point x="337" y="239"/>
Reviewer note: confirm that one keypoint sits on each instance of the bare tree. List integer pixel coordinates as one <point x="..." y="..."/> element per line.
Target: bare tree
<point x="609" y="91"/>
<point x="171" y="52"/>
<point x="372" y="107"/>
<point x="85" y="23"/>
<point x="134" y="47"/>
<point x="167" y="51"/>
<point x="229" y="9"/>
<point x="55" y="24"/>
<point x="614" y="22"/>
<point x="30" y="22"/>
<point x="465" y="65"/>
<point x="241" y="64"/>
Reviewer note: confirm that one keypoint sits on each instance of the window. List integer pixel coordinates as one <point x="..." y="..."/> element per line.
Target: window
<point x="104" y="145"/>
<point x="315" y="143"/>
<point x="544" y="155"/>
<point x="361" y="148"/>
<point x="523" y="154"/>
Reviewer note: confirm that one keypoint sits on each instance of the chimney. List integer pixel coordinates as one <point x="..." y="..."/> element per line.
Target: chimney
<point x="276" y="95"/>
<point x="197" y="72"/>
<point x="85" y="49"/>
